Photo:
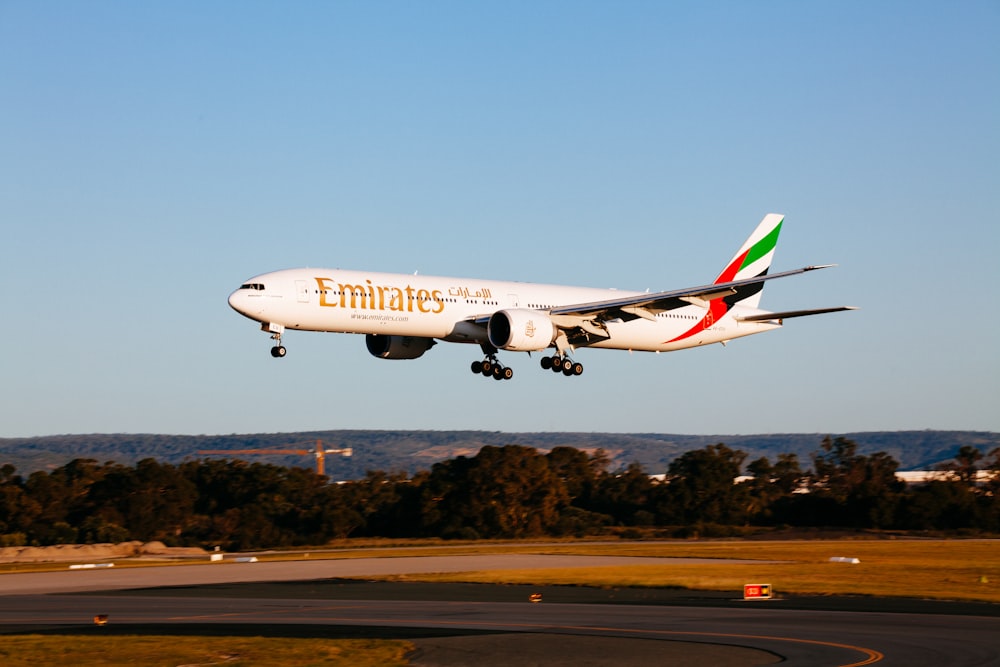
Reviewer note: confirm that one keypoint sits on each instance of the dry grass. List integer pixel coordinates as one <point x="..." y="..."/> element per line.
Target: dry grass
<point x="942" y="569"/>
<point x="90" y="651"/>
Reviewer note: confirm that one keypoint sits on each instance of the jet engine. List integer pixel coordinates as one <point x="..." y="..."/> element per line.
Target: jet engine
<point x="521" y="330"/>
<point x="397" y="347"/>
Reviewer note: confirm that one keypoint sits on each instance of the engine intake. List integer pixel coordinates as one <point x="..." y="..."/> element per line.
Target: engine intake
<point x="521" y="330"/>
<point x="397" y="347"/>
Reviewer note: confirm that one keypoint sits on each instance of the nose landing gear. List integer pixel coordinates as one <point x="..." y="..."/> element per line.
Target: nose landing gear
<point x="278" y="351"/>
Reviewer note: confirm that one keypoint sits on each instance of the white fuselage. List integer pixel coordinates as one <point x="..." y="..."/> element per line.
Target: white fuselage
<point x="390" y="304"/>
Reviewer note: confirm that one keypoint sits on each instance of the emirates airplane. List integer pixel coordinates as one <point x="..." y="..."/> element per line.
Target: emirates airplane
<point x="403" y="316"/>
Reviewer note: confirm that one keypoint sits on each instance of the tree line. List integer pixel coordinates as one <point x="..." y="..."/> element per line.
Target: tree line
<point x="509" y="491"/>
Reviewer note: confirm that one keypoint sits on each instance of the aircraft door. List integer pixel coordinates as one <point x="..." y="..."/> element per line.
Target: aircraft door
<point x="302" y="291"/>
<point x="513" y="301"/>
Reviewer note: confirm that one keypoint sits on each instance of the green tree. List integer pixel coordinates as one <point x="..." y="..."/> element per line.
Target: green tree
<point x="770" y="487"/>
<point x="940" y="505"/>
<point x="505" y="491"/>
<point x="860" y="491"/>
<point x="966" y="464"/>
<point x="577" y="471"/>
<point x="989" y="492"/>
<point x="701" y="486"/>
<point x="388" y="504"/>
<point x="623" y="495"/>
<point x="18" y="510"/>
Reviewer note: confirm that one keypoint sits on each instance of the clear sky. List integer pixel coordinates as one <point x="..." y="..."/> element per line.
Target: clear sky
<point x="155" y="155"/>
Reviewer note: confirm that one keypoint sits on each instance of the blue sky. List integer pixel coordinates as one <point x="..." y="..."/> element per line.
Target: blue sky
<point x="154" y="155"/>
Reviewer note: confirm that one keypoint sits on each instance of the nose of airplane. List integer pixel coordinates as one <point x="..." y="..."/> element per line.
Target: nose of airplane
<point x="236" y="303"/>
<point x="243" y="303"/>
<point x="249" y="300"/>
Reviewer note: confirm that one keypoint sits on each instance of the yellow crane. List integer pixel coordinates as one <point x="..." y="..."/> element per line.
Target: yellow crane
<point x="320" y="453"/>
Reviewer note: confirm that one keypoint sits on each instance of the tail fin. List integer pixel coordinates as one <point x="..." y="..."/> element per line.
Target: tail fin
<point x="753" y="259"/>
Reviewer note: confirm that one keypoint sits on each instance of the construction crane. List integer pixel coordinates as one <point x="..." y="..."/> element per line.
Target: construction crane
<point x="320" y="453"/>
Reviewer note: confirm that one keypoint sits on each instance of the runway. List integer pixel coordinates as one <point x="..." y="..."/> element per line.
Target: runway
<point x="493" y="625"/>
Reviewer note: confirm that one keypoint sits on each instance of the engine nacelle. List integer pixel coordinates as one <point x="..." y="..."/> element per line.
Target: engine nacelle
<point x="397" y="347"/>
<point x="521" y="330"/>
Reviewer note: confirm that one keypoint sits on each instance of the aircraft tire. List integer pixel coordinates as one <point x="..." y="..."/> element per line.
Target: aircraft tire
<point x="486" y="367"/>
<point x="477" y="367"/>
<point x="577" y="369"/>
<point x="546" y="363"/>
<point x="278" y="351"/>
<point x="508" y="373"/>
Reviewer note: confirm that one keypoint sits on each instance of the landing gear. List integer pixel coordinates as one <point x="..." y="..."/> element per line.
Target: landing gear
<point x="562" y="364"/>
<point x="491" y="367"/>
<point x="278" y="351"/>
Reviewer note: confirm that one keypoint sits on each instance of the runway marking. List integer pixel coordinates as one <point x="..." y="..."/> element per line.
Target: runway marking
<point x="871" y="655"/>
<point x="265" y="611"/>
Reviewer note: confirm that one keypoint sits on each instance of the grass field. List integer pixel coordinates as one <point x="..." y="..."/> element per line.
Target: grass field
<point x="152" y="651"/>
<point x="939" y="569"/>
<point x="922" y="568"/>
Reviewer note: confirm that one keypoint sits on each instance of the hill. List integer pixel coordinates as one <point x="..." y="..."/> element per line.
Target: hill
<point x="411" y="451"/>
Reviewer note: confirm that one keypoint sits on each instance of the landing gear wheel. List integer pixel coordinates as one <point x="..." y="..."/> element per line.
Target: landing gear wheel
<point x="577" y="369"/>
<point x="278" y="351"/>
<point x="546" y="363"/>
<point x="490" y="366"/>
<point x="566" y="366"/>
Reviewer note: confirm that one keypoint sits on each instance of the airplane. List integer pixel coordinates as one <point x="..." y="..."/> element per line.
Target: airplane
<point x="402" y="316"/>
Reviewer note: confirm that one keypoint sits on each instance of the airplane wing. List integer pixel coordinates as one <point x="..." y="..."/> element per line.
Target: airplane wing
<point x="648" y="306"/>
<point x="584" y="323"/>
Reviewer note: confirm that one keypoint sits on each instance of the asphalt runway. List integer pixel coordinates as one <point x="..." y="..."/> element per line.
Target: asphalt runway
<point x="486" y="625"/>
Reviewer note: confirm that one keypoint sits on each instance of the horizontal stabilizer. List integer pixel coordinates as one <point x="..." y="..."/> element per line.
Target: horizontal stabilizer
<point x="788" y="314"/>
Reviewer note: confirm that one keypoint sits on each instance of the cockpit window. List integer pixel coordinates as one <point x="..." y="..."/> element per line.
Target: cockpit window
<point x="254" y="286"/>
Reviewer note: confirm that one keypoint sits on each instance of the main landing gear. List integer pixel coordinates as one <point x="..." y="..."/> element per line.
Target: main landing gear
<point x="491" y="367"/>
<point x="565" y="365"/>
